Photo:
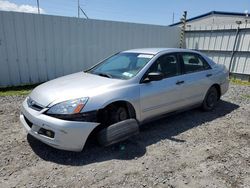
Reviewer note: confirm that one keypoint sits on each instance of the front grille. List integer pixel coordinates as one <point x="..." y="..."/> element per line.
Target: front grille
<point x="34" y="105"/>
<point x="28" y="122"/>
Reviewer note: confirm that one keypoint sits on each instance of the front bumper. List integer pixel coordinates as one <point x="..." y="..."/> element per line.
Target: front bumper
<point x="68" y="135"/>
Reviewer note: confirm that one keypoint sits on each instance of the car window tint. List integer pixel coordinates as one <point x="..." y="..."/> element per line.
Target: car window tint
<point x="193" y="63"/>
<point x="113" y="63"/>
<point x="166" y="64"/>
<point x="141" y="62"/>
<point x="122" y="65"/>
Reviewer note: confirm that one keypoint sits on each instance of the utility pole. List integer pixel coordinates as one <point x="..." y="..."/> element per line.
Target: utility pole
<point x="173" y="18"/>
<point x="183" y="27"/>
<point x="38" y="9"/>
<point x="78" y="8"/>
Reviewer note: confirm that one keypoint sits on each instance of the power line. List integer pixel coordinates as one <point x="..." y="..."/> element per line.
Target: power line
<point x="87" y="9"/>
<point x="84" y="13"/>
<point x="80" y="9"/>
<point x="38" y="9"/>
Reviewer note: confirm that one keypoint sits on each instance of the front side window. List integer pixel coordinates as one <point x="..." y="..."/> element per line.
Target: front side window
<point x="122" y="66"/>
<point x="167" y="65"/>
<point x="193" y="63"/>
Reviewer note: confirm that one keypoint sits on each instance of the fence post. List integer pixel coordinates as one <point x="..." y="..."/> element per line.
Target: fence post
<point x="183" y="27"/>
<point x="233" y="50"/>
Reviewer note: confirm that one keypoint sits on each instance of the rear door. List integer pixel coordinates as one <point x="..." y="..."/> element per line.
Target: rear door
<point x="196" y="76"/>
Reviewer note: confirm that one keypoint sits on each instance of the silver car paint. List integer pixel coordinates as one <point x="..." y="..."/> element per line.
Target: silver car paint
<point x="148" y="99"/>
<point x="68" y="135"/>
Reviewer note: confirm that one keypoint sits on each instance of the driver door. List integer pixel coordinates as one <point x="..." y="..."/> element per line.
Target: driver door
<point x="159" y="97"/>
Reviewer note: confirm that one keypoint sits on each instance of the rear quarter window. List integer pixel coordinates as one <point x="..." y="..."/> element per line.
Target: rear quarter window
<point x="194" y="62"/>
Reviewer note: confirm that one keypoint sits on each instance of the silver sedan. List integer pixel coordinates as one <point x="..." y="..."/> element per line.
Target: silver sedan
<point x="116" y="95"/>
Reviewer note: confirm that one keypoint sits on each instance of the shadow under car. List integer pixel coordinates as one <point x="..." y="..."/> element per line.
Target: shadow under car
<point x="150" y="133"/>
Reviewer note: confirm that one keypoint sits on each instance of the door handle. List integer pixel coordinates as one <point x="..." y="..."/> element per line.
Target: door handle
<point x="208" y="75"/>
<point x="179" y="82"/>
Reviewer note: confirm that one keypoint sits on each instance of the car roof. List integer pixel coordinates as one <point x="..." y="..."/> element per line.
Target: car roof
<point x="154" y="51"/>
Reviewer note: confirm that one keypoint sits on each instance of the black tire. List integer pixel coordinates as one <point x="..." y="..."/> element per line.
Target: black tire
<point x="118" y="132"/>
<point x="211" y="99"/>
<point x="118" y="114"/>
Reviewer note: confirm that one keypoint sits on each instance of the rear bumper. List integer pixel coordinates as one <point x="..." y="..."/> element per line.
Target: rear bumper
<point x="224" y="87"/>
<point x="68" y="135"/>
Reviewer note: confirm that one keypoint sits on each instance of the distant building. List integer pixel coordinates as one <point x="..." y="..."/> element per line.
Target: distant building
<point x="217" y="18"/>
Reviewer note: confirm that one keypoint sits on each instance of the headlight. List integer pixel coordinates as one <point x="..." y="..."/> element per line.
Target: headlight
<point x="68" y="107"/>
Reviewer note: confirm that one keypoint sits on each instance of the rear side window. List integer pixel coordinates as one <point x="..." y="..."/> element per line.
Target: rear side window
<point x="193" y="63"/>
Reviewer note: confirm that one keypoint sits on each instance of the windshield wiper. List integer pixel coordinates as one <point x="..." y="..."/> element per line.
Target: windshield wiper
<point x="104" y="75"/>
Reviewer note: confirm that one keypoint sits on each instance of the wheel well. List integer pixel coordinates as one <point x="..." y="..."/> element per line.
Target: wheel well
<point x="102" y="113"/>
<point x="217" y="86"/>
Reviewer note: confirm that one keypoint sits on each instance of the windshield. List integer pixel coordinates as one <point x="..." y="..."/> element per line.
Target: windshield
<point x="122" y="65"/>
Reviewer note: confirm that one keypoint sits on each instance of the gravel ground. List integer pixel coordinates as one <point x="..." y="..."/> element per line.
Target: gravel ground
<point x="191" y="149"/>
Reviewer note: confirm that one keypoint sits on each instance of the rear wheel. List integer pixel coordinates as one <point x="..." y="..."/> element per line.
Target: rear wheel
<point x="210" y="100"/>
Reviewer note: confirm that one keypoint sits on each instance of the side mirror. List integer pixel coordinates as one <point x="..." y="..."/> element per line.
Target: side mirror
<point x="153" y="76"/>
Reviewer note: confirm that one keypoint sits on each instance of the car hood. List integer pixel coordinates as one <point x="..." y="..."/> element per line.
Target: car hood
<point x="71" y="87"/>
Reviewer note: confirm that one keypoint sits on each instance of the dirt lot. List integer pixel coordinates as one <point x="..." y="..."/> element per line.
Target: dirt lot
<point x="191" y="149"/>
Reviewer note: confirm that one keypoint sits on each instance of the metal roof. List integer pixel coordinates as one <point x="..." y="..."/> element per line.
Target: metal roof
<point x="212" y="13"/>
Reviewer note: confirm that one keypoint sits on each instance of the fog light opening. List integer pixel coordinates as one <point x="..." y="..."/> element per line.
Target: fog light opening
<point x="46" y="132"/>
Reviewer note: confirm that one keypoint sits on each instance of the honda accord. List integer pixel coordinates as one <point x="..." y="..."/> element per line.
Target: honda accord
<point x="121" y="92"/>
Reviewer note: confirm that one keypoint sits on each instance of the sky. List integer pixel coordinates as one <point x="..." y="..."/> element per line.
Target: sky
<point x="159" y="12"/>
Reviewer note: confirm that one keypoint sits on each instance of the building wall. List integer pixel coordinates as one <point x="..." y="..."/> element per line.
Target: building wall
<point x="224" y="46"/>
<point x="36" y="48"/>
<point x="218" y="20"/>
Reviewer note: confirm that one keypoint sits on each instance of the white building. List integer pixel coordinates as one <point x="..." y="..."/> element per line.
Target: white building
<point x="217" y="19"/>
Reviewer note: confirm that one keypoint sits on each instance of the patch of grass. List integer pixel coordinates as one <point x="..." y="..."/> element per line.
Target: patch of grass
<point x="17" y="91"/>
<point x="246" y="96"/>
<point x="240" y="82"/>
